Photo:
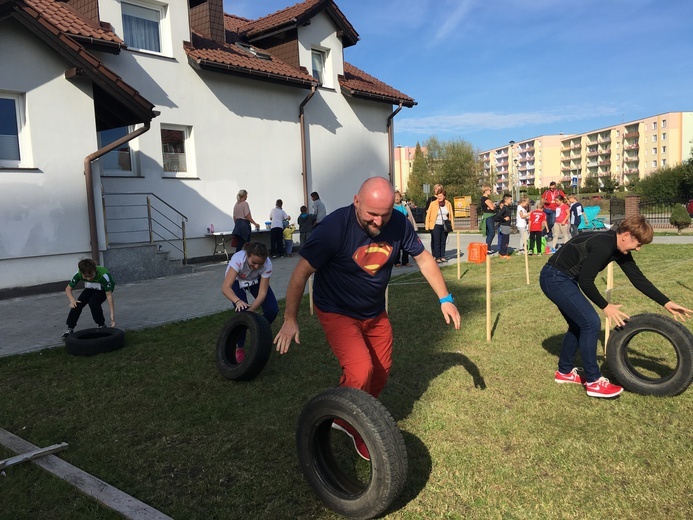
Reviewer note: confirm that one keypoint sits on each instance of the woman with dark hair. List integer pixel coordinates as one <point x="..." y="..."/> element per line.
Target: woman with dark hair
<point x="249" y="271"/>
<point x="567" y="280"/>
<point x="242" y="220"/>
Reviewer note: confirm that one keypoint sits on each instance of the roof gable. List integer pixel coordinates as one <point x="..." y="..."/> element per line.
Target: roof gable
<point x="297" y="15"/>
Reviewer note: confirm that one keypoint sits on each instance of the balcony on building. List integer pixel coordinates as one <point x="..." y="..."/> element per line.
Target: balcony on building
<point x="631" y="135"/>
<point x="631" y="159"/>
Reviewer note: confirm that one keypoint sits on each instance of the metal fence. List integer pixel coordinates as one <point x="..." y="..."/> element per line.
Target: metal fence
<point x="659" y="211"/>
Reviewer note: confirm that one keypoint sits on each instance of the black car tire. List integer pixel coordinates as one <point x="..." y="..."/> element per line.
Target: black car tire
<point x="89" y="342"/>
<point x="681" y="339"/>
<point x="388" y="465"/>
<point x="258" y="346"/>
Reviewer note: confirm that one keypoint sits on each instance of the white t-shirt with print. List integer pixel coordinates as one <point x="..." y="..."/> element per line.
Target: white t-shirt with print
<point x="245" y="275"/>
<point x="522" y="214"/>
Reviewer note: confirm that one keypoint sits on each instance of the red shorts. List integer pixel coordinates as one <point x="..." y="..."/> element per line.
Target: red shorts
<point x="362" y="347"/>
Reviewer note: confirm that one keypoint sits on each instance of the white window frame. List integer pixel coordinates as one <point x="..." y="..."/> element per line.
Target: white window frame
<point x="654" y="138"/>
<point x="664" y="136"/>
<point x="654" y="125"/>
<point x="664" y="123"/>
<point x="24" y="160"/>
<point x="327" y="69"/>
<point x="165" y="48"/>
<point x="664" y="149"/>
<point x="190" y="172"/>
<point x="320" y="73"/>
<point x="112" y="172"/>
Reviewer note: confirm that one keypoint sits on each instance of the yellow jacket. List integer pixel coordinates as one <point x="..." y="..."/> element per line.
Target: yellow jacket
<point x="432" y="214"/>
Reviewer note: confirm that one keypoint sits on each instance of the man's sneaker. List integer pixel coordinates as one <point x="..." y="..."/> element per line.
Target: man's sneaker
<point x="574" y="376"/>
<point x="66" y="334"/>
<point x="602" y="388"/>
<point x="240" y="355"/>
<point x="361" y="448"/>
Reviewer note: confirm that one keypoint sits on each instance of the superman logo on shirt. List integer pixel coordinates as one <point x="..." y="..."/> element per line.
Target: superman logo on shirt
<point x="373" y="256"/>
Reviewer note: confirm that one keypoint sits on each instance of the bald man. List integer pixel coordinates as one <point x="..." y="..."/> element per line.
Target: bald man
<point x="352" y="253"/>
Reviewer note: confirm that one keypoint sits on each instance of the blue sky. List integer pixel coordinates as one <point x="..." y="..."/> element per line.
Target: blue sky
<point x="488" y="71"/>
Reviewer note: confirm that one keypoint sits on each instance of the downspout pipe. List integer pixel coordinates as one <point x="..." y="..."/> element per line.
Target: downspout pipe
<point x="391" y="143"/>
<point x="88" y="174"/>
<point x="304" y="153"/>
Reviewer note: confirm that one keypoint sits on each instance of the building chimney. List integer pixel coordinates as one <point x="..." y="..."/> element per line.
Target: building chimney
<point x="207" y="18"/>
<point x="87" y="8"/>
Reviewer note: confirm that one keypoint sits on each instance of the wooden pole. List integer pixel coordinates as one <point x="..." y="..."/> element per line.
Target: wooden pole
<point x="459" y="261"/>
<point x="310" y="293"/>
<point x="609" y="288"/>
<point x="526" y="261"/>
<point x="387" y="297"/>
<point x="488" y="298"/>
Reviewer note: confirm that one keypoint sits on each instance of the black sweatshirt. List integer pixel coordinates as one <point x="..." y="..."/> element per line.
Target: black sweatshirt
<point x="584" y="256"/>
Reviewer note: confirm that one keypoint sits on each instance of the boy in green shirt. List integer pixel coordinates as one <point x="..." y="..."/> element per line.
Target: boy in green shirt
<point x="98" y="286"/>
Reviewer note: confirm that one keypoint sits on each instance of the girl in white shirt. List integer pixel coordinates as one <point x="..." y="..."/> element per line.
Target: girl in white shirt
<point x="249" y="271"/>
<point x="521" y="221"/>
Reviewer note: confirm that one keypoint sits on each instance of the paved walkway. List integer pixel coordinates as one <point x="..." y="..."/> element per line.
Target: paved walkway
<point x="33" y="323"/>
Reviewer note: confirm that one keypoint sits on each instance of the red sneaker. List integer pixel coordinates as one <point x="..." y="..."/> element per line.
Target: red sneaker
<point x="574" y="376"/>
<point x="361" y="448"/>
<point x="602" y="388"/>
<point x="240" y="355"/>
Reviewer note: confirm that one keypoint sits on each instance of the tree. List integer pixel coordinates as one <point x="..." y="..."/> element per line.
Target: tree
<point x="609" y="185"/>
<point x="454" y="164"/>
<point x="669" y="183"/>
<point x="591" y="184"/>
<point x="680" y="218"/>
<point x="418" y="177"/>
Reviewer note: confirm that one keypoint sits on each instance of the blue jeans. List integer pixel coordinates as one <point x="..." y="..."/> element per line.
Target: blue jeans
<point x="270" y="307"/>
<point x="550" y="220"/>
<point x="584" y="324"/>
<point x="490" y="231"/>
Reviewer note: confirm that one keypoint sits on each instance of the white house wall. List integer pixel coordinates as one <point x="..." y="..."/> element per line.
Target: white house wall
<point x="245" y="135"/>
<point x="43" y="213"/>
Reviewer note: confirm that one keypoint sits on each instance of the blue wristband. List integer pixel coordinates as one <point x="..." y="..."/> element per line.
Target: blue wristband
<point x="448" y="298"/>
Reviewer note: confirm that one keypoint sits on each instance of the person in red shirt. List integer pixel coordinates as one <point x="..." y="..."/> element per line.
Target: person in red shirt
<point x="550" y="204"/>
<point x="537" y="224"/>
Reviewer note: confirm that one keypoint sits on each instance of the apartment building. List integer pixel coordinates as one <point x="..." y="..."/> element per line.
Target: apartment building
<point x="529" y="163"/>
<point x="625" y="153"/>
<point x="403" y="165"/>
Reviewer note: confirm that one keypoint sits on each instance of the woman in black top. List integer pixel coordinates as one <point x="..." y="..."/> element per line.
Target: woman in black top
<point x="567" y="280"/>
<point x="503" y="219"/>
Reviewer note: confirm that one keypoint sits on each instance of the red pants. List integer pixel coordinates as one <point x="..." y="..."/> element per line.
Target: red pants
<point x="362" y="347"/>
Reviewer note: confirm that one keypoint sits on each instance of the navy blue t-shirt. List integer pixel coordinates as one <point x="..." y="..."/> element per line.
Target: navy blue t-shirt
<point x="353" y="269"/>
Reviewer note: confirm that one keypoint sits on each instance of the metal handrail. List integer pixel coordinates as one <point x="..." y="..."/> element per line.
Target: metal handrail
<point x="151" y="220"/>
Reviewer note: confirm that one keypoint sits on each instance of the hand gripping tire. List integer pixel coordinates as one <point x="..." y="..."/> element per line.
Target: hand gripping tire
<point x="258" y="346"/>
<point x="88" y="342"/>
<point x="625" y="372"/>
<point x="349" y="496"/>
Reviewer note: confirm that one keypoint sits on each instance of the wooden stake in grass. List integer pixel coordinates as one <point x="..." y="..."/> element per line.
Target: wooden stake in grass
<point x="609" y="288"/>
<point x="459" y="262"/>
<point x="310" y="293"/>
<point x="488" y="298"/>
<point x="526" y="261"/>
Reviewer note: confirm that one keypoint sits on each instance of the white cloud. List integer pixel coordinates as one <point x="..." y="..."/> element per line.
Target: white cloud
<point x="494" y="121"/>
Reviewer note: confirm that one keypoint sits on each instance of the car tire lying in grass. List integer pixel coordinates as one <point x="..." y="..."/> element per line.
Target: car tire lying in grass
<point x="257" y="347"/>
<point x="89" y="342"/>
<point x="620" y="358"/>
<point x="372" y="494"/>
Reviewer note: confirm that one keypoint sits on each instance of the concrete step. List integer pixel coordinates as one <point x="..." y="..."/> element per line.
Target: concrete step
<point x="133" y="263"/>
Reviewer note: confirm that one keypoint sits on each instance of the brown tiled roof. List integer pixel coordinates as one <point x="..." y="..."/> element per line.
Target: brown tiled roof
<point x="235" y="23"/>
<point x="359" y="84"/>
<point x="31" y="14"/>
<point x="208" y="54"/>
<point x="296" y="15"/>
<point x="69" y="21"/>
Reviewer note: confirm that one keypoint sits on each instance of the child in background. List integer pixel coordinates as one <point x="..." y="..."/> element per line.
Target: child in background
<point x="537" y="224"/>
<point x="305" y="224"/>
<point x="98" y="286"/>
<point x="289" y="239"/>
<point x="561" y="225"/>
<point x="521" y="222"/>
<point x="576" y="214"/>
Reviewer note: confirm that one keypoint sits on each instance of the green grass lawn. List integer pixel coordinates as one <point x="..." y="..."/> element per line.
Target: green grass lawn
<point x="488" y="432"/>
